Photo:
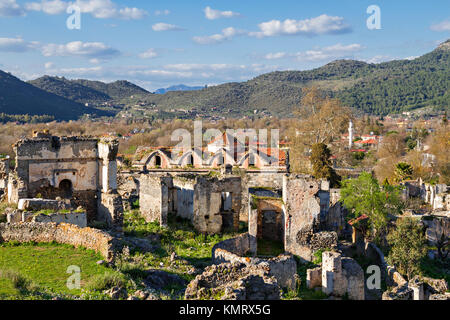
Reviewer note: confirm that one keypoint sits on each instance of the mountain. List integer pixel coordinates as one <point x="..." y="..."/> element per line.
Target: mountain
<point x="381" y="89"/>
<point x="86" y="91"/>
<point x="384" y="88"/>
<point x="180" y="87"/>
<point x="18" y="97"/>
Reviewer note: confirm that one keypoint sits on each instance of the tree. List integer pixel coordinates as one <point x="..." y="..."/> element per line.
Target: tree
<point x="321" y="119"/>
<point x="321" y="164"/>
<point x="408" y="246"/>
<point x="403" y="171"/>
<point x="440" y="148"/>
<point x="364" y="195"/>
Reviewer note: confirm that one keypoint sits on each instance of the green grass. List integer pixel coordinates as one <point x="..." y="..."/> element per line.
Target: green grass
<point x="436" y="268"/>
<point x="45" y="266"/>
<point x="270" y="248"/>
<point x="302" y="292"/>
<point x="179" y="237"/>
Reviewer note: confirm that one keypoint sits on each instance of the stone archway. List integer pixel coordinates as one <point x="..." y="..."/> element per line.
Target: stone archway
<point x="66" y="189"/>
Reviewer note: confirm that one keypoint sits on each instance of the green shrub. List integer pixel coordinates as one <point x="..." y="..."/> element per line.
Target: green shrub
<point x="19" y="281"/>
<point x="106" y="281"/>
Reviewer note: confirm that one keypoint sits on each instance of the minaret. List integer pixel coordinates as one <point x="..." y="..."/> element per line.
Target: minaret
<point x="350" y="134"/>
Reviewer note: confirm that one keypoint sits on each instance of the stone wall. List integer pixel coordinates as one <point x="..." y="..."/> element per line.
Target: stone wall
<point x="254" y="179"/>
<point x="183" y="196"/>
<point x="266" y="221"/>
<point x="340" y="276"/>
<point x="303" y="216"/>
<point x="110" y="210"/>
<point x="4" y="172"/>
<point x="89" y="238"/>
<point x="153" y="197"/>
<point x="209" y="216"/>
<point x="78" y="219"/>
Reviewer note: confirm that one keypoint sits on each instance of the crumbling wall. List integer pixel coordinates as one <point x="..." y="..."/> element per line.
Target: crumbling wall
<point x="183" y="196"/>
<point x="154" y="197"/>
<point x="110" y="210"/>
<point x="208" y="214"/>
<point x="78" y="219"/>
<point x="4" y="173"/>
<point x="89" y="238"/>
<point x="254" y="179"/>
<point x="303" y="217"/>
<point x="340" y="276"/>
<point x="283" y="268"/>
<point x="234" y="282"/>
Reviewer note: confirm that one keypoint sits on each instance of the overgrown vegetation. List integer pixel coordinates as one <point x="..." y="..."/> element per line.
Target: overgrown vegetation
<point x="408" y="246"/>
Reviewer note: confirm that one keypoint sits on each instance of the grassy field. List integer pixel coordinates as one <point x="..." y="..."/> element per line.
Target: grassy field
<point x="39" y="271"/>
<point x="44" y="267"/>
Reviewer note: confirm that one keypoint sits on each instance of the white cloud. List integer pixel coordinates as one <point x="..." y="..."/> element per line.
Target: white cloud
<point x="322" y="24"/>
<point x="48" y="6"/>
<point x="49" y="65"/>
<point x="212" y="14"/>
<point x="16" y="45"/>
<point x="161" y="26"/>
<point x="337" y="51"/>
<point x="9" y="8"/>
<point x="442" y="26"/>
<point x="79" y="48"/>
<point x="162" y="12"/>
<point x="101" y="9"/>
<point x="275" y="55"/>
<point x="149" y="54"/>
<point x="227" y="34"/>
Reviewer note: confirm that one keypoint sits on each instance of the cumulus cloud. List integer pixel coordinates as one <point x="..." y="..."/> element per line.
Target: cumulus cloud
<point x="101" y="9"/>
<point x="323" y="24"/>
<point x="161" y="26"/>
<point x="149" y="54"/>
<point x="442" y="26"/>
<point x="79" y="48"/>
<point x="337" y="51"/>
<point x="212" y="14"/>
<point x="227" y="34"/>
<point x="16" y="45"/>
<point x="9" y="8"/>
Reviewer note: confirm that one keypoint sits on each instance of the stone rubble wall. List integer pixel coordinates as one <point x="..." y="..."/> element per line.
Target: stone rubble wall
<point x="42" y="204"/>
<point x="79" y="219"/>
<point x="435" y="195"/>
<point x="89" y="238"/>
<point x="283" y="268"/>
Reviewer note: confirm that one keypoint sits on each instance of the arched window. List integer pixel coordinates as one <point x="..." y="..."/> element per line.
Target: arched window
<point x="158" y="161"/>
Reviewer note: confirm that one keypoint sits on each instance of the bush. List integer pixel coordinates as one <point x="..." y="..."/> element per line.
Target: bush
<point x="19" y="281"/>
<point x="106" y="281"/>
<point x="408" y="246"/>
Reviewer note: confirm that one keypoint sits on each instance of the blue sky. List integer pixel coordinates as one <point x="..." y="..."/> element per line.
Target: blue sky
<point x="161" y="43"/>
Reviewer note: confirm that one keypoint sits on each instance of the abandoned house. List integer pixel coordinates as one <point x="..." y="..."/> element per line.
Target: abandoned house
<point x="303" y="217"/>
<point x="212" y="204"/>
<point x="80" y="169"/>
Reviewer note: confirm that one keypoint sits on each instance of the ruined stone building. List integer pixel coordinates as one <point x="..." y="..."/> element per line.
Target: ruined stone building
<point x="80" y="169"/>
<point x="225" y="150"/>
<point x="212" y="204"/>
<point x="305" y="215"/>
